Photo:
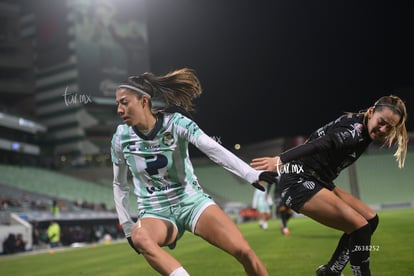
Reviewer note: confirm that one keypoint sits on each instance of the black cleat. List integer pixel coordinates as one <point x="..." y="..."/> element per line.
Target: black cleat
<point x="323" y="270"/>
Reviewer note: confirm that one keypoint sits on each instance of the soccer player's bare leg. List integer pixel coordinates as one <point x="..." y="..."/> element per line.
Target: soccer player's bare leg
<point x="326" y="208"/>
<point x="148" y="239"/>
<point x="217" y="228"/>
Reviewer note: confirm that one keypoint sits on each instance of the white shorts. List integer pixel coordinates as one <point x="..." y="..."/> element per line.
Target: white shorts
<point x="184" y="215"/>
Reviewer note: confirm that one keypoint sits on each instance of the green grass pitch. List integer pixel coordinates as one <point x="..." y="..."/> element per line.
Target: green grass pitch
<point x="309" y="245"/>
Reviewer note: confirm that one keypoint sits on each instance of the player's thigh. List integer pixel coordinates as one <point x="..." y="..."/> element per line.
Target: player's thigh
<point x="328" y="209"/>
<point x="161" y="231"/>
<point x="355" y="203"/>
<point x="215" y="226"/>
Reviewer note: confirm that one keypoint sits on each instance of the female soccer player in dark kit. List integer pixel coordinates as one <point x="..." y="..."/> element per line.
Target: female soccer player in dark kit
<point x="308" y="172"/>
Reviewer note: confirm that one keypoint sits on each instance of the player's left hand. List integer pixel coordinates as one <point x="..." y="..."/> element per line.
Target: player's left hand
<point x="269" y="177"/>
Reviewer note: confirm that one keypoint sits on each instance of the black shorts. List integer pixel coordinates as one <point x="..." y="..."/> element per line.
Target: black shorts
<point x="298" y="188"/>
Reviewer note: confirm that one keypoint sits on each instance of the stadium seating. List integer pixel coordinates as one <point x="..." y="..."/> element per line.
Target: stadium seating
<point x="56" y="185"/>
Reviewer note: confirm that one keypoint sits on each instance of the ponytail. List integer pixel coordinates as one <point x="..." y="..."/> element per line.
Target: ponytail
<point x="174" y="90"/>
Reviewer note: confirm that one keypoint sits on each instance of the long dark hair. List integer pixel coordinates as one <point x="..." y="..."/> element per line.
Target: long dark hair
<point x="175" y="90"/>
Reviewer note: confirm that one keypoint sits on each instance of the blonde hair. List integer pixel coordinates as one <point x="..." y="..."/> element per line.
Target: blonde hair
<point x="176" y="88"/>
<point x="399" y="133"/>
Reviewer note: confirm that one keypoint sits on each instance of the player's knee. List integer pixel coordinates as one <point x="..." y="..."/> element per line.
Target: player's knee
<point x="360" y="221"/>
<point x="141" y="241"/>
<point x="132" y="245"/>
<point x="245" y="253"/>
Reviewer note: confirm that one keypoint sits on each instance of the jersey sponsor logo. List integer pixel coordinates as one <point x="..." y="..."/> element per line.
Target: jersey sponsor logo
<point x="153" y="189"/>
<point x="310" y="185"/>
<point x="151" y="147"/>
<point x="135" y="147"/>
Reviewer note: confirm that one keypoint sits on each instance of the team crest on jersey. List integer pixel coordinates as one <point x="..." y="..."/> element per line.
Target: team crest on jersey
<point x="310" y="185"/>
<point x="168" y="139"/>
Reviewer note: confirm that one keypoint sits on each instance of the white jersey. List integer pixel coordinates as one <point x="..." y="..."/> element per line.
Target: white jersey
<point x="160" y="164"/>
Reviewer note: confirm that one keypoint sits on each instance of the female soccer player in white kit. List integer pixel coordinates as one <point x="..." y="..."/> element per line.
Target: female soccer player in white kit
<point x="263" y="203"/>
<point x="153" y="145"/>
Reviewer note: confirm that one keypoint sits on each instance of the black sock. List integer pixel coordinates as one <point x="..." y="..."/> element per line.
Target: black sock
<point x="373" y="223"/>
<point x="340" y="257"/>
<point x="359" y="245"/>
<point x="283" y="218"/>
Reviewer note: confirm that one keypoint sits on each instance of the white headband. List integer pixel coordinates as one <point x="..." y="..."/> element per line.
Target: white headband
<point x="135" y="89"/>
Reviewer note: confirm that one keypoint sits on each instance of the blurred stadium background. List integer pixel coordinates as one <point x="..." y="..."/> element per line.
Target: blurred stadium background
<point x="57" y="114"/>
